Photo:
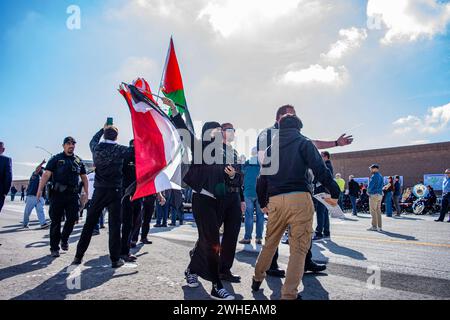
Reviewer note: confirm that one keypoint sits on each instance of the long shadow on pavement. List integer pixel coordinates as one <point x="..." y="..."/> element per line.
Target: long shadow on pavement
<point x="398" y="236"/>
<point x="59" y="286"/>
<point x="26" y="267"/>
<point x="343" y="251"/>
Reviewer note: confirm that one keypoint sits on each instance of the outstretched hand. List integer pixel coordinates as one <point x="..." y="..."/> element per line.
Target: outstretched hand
<point x="344" y="140"/>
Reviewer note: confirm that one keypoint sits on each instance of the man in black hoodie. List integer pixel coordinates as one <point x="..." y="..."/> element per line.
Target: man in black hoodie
<point x="108" y="159"/>
<point x="264" y="141"/>
<point x="289" y="192"/>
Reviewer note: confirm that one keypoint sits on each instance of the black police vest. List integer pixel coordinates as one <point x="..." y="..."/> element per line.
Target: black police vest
<point x="67" y="170"/>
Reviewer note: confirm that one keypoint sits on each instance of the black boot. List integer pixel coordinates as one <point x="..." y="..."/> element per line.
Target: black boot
<point x="314" y="267"/>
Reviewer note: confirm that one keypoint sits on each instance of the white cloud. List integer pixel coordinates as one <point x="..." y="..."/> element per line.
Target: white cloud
<point x="316" y="74"/>
<point x="435" y="121"/>
<point x="350" y="39"/>
<point x="231" y="16"/>
<point x="134" y="67"/>
<point x="409" y="20"/>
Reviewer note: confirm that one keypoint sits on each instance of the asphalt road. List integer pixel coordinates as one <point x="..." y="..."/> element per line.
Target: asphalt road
<point x="409" y="260"/>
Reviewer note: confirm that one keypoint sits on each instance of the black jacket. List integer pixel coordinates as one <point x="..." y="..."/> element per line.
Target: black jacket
<point x="5" y="174"/>
<point x="297" y="154"/>
<point x="108" y="161"/>
<point x="129" y="170"/>
<point x="210" y="177"/>
<point x="318" y="187"/>
<point x="353" y="188"/>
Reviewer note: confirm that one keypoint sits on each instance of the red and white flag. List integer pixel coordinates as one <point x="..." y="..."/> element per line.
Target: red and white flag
<point x="158" y="147"/>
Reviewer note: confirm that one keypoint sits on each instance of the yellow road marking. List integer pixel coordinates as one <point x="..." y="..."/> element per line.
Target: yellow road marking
<point x="418" y="243"/>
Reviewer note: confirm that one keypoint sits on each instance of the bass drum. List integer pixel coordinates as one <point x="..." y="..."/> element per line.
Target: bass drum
<point x="418" y="207"/>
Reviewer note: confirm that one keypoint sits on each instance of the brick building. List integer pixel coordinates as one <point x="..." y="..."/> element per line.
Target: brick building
<point x="411" y="162"/>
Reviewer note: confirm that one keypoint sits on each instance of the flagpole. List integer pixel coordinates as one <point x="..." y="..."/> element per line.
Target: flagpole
<point x="165" y="66"/>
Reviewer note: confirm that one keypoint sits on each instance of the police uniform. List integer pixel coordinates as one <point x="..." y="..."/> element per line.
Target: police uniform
<point x="64" y="198"/>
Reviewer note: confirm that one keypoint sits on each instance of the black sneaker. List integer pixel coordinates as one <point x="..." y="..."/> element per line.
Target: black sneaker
<point x="230" y="277"/>
<point x="277" y="273"/>
<point x="64" y="246"/>
<point x="76" y="261"/>
<point x="256" y="285"/>
<point x="117" y="264"/>
<point x="95" y="232"/>
<point x="191" y="279"/>
<point x="129" y="258"/>
<point x="158" y="225"/>
<point x="315" y="267"/>
<point x="220" y="294"/>
<point x="54" y="253"/>
<point x="145" y="241"/>
<point x="133" y="244"/>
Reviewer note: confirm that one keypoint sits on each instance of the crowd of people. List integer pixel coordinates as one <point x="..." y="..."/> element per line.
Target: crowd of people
<point x="222" y="193"/>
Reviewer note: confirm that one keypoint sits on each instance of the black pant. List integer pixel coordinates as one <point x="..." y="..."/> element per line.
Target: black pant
<point x="205" y="254"/>
<point x="444" y="208"/>
<point x="131" y="211"/>
<point x="148" y="208"/>
<point x="2" y="201"/>
<point x="103" y="198"/>
<point x="308" y="259"/>
<point x="231" y="219"/>
<point x="62" y="205"/>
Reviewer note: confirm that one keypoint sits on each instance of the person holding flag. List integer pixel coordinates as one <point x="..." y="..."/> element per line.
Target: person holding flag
<point x="209" y="180"/>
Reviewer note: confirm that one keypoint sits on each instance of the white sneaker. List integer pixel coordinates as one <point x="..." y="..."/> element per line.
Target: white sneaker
<point x="372" y="229"/>
<point x="379" y="229"/>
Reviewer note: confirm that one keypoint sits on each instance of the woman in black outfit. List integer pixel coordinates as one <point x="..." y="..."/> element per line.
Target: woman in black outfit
<point x="208" y="180"/>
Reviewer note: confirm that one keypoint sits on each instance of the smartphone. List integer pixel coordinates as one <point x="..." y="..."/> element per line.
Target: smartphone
<point x="109" y="121"/>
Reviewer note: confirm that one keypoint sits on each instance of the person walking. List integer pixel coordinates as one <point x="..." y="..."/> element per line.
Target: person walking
<point x="263" y="142"/>
<point x="445" y="197"/>
<point x="64" y="169"/>
<point x="208" y="179"/>
<point x="287" y="196"/>
<point x="251" y="169"/>
<point x="375" y="192"/>
<point x="353" y="192"/>
<point x="33" y="202"/>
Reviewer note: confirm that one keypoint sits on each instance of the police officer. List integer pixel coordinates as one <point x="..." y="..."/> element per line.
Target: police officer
<point x="64" y="170"/>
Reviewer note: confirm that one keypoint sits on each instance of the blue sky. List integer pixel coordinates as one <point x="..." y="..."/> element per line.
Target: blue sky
<point x="389" y="84"/>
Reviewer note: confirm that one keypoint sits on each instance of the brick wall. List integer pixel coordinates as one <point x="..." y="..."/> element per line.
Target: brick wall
<point x="411" y="162"/>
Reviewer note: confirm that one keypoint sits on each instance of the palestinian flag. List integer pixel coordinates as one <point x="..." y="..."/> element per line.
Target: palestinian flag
<point x="158" y="147"/>
<point x="172" y="85"/>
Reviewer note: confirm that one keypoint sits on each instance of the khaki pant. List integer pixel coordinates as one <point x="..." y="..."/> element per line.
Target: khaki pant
<point x="296" y="211"/>
<point x="375" y="210"/>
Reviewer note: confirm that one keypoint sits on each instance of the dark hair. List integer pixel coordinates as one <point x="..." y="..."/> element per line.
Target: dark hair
<point x="291" y="122"/>
<point x="326" y="154"/>
<point x="283" y="110"/>
<point x="111" y="133"/>
<point x="226" y="125"/>
<point x="397" y="177"/>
